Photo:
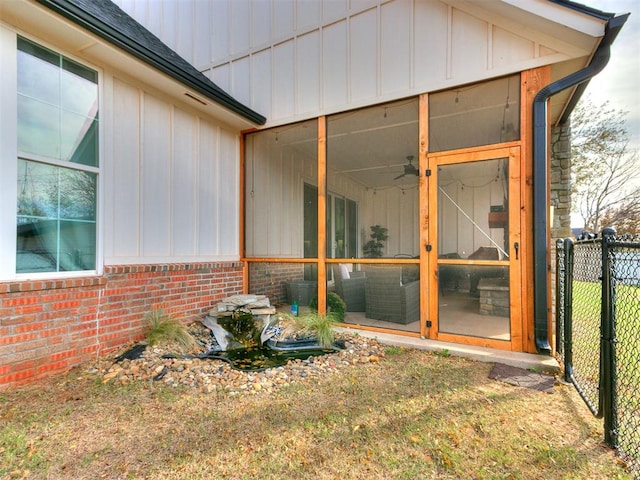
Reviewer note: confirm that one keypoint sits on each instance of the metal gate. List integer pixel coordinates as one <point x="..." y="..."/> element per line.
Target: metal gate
<point x="598" y="332"/>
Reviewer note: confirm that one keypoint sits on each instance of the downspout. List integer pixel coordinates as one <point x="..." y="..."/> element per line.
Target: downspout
<point x="540" y="182"/>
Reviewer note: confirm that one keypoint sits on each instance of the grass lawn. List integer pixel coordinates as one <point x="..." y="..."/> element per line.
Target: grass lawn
<point x="413" y="415"/>
<point x="586" y="354"/>
<point x="586" y="329"/>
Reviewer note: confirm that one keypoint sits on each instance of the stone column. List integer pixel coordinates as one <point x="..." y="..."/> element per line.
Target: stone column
<point x="561" y="181"/>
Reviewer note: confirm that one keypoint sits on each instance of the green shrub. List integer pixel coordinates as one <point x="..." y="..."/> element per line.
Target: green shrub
<point x="335" y="304"/>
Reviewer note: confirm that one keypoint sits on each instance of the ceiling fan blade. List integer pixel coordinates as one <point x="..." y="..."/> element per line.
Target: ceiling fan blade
<point x="400" y="176"/>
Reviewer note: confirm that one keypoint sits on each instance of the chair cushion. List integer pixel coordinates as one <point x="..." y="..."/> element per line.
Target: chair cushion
<point x="344" y="271"/>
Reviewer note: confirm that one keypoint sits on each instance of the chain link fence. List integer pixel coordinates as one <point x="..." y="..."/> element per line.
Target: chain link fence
<point x="624" y="254"/>
<point x="598" y="333"/>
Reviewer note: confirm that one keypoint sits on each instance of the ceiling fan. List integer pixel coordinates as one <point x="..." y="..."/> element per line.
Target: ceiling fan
<point x="409" y="168"/>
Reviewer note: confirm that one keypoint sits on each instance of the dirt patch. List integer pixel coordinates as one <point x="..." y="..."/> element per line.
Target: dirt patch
<point x="522" y="378"/>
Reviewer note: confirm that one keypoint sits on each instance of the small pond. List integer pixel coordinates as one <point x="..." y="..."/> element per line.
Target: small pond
<point x="249" y="334"/>
<point x="254" y="343"/>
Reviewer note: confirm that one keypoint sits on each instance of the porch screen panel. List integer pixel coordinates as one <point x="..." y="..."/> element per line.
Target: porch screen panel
<point x="284" y="283"/>
<point x="279" y="162"/>
<point x="372" y="212"/>
<point x="372" y="179"/>
<point x="473" y="249"/>
<point x="474" y="115"/>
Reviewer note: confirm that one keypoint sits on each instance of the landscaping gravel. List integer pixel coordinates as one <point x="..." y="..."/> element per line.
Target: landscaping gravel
<point x="213" y="375"/>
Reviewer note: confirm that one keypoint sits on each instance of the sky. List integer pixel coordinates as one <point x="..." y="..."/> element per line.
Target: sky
<point x="619" y="82"/>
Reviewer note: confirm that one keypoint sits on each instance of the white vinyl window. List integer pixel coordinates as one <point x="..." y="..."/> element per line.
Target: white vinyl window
<point x="57" y="164"/>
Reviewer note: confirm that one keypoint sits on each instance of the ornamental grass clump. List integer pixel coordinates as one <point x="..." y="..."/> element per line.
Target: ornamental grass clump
<point x="322" y="326"/>
<point x="310" y="325"/>
<point x="163" y="329"/>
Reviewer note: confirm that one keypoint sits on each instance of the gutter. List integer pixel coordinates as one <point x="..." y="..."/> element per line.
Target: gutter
<point x="580" y="80"/>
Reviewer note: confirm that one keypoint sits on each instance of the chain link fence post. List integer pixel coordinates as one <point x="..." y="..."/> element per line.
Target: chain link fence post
<point x="565" y="281"/>
<point x="607" y="328"/>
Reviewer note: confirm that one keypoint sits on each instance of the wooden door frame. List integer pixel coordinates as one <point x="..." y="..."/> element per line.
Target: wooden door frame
<point x="430" y="328"/>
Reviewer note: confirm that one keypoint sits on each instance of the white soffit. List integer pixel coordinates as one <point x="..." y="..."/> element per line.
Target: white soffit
<point x="57" y="32"/>
<point x="551" y="25"/>
<point x="562" y="15"/>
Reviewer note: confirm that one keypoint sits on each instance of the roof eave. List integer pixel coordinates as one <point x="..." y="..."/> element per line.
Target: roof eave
<point x="89" y="22"/>
<point x="612" y="29"/>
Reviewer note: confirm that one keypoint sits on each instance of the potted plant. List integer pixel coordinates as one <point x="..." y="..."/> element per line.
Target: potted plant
<point x="373" y="248"/>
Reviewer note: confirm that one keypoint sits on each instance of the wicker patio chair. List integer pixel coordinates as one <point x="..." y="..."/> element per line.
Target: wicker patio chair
<point x="351" y="289"/>
<point x="387" y="298"/>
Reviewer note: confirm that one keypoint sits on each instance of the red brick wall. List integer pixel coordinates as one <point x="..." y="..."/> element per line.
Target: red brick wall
<point x="270" y="279"/>
<point x="49" y="326"/>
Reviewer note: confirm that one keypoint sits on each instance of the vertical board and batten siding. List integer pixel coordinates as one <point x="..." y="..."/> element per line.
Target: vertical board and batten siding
<point x="261" y="79"/>
<point x="335" y="62"/>
<point x="431" y="43"/>
<point x="292" y="60"/>
<point x="123" y="241"/>
<point x="467" y="30"/>
<point x="227" y="191"/>
<point x="156" y="186"/>
<point x="398" y="212"/>
<point x="363" y="55"/>
<point x="172" y="183"/>
<point x="308" y="64"/>
<point x="207" y="191"/>
<point x="273" y="226"/>
<point x="284" y="83"/>
<point x="396" y="31"/>
<point x="185" y="180"/>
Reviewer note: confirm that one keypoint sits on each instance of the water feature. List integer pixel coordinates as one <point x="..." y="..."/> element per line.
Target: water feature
<point x="258" y="358"/>
<point x="251" y="336"/>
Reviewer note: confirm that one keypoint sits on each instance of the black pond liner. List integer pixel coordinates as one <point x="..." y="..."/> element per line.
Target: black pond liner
<point x="258" y="359"/>
<point x="302" y="344"/>
<point x="132" y="353"/>
<point x="252" y="359"/>
<point x="274" y="354"/>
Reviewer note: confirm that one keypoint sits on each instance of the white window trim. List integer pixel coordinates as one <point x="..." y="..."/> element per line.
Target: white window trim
<point x="9" y="161"/>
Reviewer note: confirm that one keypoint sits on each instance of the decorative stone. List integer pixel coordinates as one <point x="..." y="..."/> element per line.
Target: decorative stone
<point x="494" y="297"/>
<point x="242" y="300"/>
<point x="264" y="311"/>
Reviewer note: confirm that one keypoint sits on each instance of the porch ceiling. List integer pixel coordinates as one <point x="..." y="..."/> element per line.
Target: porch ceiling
<point x="374" y="150"/>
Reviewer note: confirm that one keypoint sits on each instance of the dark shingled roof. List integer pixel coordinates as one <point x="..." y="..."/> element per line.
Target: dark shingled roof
<point x="108" y="21"/>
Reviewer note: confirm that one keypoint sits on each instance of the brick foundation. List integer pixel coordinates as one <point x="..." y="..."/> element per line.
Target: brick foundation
<point x="270" y="279"/>
<point x="49" y="326"/>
